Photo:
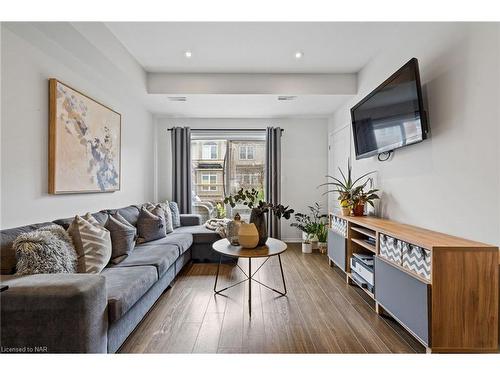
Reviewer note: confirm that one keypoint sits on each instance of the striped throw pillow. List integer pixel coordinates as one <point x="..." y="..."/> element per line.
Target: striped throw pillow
<point x="92" y="244"/>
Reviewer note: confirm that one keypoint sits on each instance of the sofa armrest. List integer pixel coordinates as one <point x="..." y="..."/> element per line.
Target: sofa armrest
<point x="55" y="313"/>
<point x="188" y="220"/>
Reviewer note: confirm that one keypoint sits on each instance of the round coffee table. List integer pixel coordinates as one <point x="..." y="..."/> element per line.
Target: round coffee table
<point x="273" y="247"/>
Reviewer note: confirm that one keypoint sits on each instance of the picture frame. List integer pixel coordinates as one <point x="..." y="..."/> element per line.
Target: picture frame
<point x="84" y="143"/>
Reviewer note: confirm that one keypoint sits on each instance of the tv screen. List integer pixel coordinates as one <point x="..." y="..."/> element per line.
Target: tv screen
<point x="392" y="116"/>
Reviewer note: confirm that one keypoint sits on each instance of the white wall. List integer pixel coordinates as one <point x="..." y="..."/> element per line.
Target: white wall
<point x="450" y="182"/>
<point x="304" y="158"/>
<point x="32" y="53"/>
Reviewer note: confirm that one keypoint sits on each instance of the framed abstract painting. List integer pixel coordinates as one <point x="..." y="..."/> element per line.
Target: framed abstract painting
<point x="84" y="143"/>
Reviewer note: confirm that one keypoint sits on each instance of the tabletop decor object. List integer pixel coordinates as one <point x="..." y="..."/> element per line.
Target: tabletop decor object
<point x="233" y="229"/>
<point x="254" y="200"/>
<point x="248" y="236"/>
<point x="351" y="193"/>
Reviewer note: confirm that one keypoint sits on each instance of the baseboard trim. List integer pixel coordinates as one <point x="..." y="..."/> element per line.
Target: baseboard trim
<point x="293" y="240"/>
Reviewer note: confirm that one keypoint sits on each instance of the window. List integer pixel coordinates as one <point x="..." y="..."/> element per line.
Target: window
<point x="247" y="152"/>
<point x="209" y="151"/>
<point x="209" y="182"/>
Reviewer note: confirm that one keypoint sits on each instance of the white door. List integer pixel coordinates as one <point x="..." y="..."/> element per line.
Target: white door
<point x="339" y="152"/>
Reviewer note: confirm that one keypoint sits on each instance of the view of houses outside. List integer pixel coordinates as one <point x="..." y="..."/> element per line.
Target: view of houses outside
<point x="212" y="180"/>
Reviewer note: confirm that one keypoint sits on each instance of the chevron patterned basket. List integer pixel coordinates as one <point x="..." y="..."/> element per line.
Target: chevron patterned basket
<point x="339" y="226"/>
<point x="390" y="249"/>
<point x="417" y="259"/>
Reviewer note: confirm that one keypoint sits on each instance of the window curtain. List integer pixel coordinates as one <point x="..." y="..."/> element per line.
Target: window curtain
<point x="181" y="168"/>
<point x="273" y="177"/>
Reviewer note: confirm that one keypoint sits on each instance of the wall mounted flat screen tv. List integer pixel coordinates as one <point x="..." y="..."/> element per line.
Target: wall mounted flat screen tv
<point x="391" y="116"/>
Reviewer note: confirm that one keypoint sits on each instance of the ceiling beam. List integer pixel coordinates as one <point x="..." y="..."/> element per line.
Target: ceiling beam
<point x="251" y="83"/>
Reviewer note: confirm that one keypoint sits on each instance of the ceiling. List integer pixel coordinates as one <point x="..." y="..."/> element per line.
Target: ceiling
<point x="252" y="47"/>
<point x="257" y="47"/>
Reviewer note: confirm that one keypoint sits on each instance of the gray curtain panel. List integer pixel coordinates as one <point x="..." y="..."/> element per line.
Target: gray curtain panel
<point x="273" y="177"/>
<point x="181" y="168"/>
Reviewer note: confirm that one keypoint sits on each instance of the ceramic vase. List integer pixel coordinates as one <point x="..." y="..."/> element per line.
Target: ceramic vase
<point x="248" y="235"/>
<point x="258" y="218"/>
<point x="233" y="229"/>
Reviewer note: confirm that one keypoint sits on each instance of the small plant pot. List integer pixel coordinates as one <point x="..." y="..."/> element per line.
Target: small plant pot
<point x="307" y="248"/>
<point x="359" y="210"/>
<point x="346" y="211"/>
<point x="322" y="247"/>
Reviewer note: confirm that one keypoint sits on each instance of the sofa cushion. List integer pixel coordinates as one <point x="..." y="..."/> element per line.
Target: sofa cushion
<point x="151" y="224"/>
<point x="176" y="217"/>
<point x="101" y="218"/>
<point x="129" y="213"/>
<point x="169" y="224"/>
<point x="92" y="244"/>
<point x="7" y="253"/>
<point x="200" y="233"/>
<point x="161" y="256"/>
<point x="122" y="237"/>
<point x="45" y="250"/>
<point x="125" y="286"/>
<point x="183" y="241"/>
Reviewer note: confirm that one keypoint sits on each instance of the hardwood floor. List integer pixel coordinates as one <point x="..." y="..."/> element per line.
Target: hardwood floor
<point x="320" y="313"/>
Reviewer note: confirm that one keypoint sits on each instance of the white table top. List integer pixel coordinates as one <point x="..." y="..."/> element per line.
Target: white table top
<point x="271" y="248"/>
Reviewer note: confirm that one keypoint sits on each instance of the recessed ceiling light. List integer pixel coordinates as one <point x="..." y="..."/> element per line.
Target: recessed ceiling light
<point x="299" y="54"/>
<point x="188" y="54"/>
<point x="177" y="98"/>
<point x="286" y="97"/>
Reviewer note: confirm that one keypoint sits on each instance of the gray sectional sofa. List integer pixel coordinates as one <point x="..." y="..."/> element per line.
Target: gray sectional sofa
<point x="93" y="313"/>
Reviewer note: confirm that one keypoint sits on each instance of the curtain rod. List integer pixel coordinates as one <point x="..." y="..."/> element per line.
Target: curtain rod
<point x="229" y="130"/>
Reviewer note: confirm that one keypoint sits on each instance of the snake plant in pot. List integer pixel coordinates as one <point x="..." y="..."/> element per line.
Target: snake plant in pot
<point x="253" y="200"/>
<point x="349" y="191"/>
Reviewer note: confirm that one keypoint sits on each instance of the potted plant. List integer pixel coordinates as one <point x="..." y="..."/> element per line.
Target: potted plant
<point x="254" y="200"/>
<point x="347" y="189"/>
<point x="361" y="198"/>
<point x="322" y="235"/>
<point x="309" y="224"/>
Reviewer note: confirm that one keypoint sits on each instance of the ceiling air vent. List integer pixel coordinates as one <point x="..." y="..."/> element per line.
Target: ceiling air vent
<point x="177" y="98"/>
<point x="286" y="97"/>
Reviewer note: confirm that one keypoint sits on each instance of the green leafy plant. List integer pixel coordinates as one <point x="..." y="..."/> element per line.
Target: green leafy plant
<point x="254" y="200"/>
<point x="221" y="210"/>
<point x="310" y="223"/>
<point x="351" y="191"/>
<point x="322" y="233"/>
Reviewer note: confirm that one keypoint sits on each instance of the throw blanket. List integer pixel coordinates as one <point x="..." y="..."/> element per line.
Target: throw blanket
<point x="218" y="225"/>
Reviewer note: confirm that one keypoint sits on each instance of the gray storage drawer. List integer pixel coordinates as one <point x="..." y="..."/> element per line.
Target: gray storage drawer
<point x="337" y="249"/>
<point x="404" y="296"/>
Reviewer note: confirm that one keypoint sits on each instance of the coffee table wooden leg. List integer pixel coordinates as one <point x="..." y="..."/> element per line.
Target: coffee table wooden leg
<point x="250" y="286"/>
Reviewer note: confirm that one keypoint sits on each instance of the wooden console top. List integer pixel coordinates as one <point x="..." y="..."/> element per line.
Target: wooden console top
<point x="425" y="238"/>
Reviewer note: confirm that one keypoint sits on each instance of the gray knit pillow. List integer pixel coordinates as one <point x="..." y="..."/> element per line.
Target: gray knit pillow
<point x="169" y="225"/>
<point x="151" y="225"/>
<point x="176" y="217"/>
<point x="46" y="250"/>
<point x="122" y="237"/>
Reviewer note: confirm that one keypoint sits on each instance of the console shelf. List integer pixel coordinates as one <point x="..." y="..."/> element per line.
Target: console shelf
<point x="364" y="244"/>
<point x="443" y="289"/>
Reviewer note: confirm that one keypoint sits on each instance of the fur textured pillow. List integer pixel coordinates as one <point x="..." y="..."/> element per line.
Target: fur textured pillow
<point x="46" y="250"/>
